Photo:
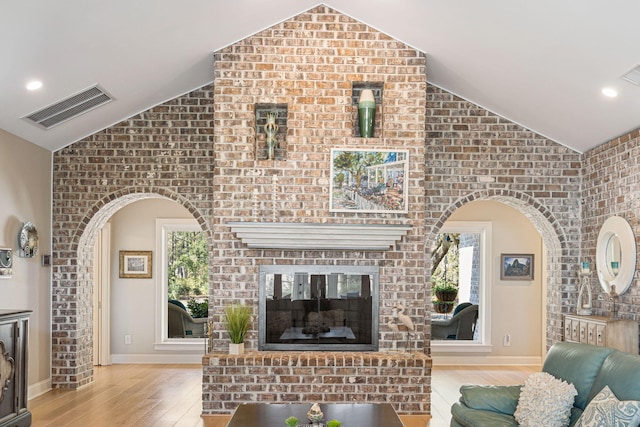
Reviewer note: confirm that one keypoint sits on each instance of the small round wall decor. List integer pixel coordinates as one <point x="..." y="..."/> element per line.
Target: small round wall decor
<point x="28" y="241"/>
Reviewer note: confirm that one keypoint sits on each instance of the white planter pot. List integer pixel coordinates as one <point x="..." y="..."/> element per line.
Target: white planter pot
<point x="236" y="348"/>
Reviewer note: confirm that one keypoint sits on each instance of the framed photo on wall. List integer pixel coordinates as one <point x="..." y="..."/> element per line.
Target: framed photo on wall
<point x="6" y="263"/>
<point x="516" y="267"/>
<point x="369" y="181"/>
<point x="135" y="264"/>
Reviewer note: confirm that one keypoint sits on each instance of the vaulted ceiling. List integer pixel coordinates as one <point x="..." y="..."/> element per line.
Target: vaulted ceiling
<point x="541" y="64"/>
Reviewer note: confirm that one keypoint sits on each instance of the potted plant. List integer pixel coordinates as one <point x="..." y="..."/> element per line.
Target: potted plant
<point x="237" y="321"/>
<point x="198" y="309"/>
<point x="291" y="421"/>
<point x="444" y="290"/>
<point x="444" y="294"/>
<point x="334" y="423"/>
<point x="443" y="307"/>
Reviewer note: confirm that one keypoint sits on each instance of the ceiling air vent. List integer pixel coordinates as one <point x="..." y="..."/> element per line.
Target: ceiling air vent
<point x="69" y="108"/>
<point x="633" y="75"/>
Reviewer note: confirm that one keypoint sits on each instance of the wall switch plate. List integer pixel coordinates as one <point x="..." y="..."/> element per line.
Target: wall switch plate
<point x="507" y="340"/>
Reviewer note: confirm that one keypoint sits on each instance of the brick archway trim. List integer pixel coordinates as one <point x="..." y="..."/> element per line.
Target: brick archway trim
<point x="550" y="230"/>
<point x="72" y="304"/>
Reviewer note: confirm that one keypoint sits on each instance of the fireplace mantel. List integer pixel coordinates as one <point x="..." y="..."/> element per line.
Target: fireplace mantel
<point x="357" y="237"/>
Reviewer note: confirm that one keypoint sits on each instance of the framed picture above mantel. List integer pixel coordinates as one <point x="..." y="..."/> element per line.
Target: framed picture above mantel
<point x="369" y="181"/>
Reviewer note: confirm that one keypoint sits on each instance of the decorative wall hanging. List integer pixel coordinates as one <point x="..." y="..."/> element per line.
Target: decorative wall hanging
<point x="584" y="304"/>
<point x="369" y="181"/>
<point x="135" y="264"/>
<point x="6" y="263"/>
<point x="271" y="129"/>
<point x="28" y="241"/>
<point x="616" y="256"/>
<point x="516" y="267"/>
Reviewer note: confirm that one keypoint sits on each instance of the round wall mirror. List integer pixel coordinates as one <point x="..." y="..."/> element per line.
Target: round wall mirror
<point x="616" y="255"/>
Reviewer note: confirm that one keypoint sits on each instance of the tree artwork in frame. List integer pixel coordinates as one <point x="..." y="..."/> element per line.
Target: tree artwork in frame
<point x="135" y="264"/>
<point x="516" y="267"/>
<point x="369" y="181"/>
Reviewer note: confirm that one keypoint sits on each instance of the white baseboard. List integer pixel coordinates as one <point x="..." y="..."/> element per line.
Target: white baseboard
<point x="442" y="360"/>
<point x="39" y="388"/>
<point x="157" y="358"/>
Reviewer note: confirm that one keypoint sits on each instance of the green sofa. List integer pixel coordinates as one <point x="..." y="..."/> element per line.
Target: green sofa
<point x="588" y="368"/>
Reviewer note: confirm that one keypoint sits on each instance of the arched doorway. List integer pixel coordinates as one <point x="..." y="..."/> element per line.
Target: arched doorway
<point x="510" y="313"/>
<point x="72" y="287"/>
<point x="553" y="239"/>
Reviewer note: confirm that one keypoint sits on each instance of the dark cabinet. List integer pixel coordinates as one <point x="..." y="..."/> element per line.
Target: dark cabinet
<point x="14" y="339"/>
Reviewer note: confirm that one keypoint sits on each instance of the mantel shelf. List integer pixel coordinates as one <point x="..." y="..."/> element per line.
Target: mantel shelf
<point x="357" y="237"/>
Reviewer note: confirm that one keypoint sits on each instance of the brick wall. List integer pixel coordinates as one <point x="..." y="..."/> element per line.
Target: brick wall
<point x="473" y="154"/>
<point x="309" y="63"/>
<point x="611" y="176"/>
<point x="402" y="379"/>
<point x="163" y="152"/>
<point x="473" y="241"/>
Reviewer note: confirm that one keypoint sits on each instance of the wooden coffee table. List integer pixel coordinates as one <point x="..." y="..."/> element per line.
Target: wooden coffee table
<point x="350" y="414"/>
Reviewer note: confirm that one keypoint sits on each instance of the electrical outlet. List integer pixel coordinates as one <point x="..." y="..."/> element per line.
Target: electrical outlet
<point x="507" y="340"/>
<point x="127" y="339"/>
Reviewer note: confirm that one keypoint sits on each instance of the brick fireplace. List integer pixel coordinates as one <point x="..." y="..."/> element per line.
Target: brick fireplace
<point x="310" y="69"/>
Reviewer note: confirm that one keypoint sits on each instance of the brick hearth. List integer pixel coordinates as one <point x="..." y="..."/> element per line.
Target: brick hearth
<point x="346" y="377"/>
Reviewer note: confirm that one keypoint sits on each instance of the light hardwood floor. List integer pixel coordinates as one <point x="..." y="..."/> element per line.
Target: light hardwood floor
<point x="171" y="395"/>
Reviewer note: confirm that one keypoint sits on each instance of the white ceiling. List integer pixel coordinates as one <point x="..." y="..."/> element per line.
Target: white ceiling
<point x="540" y="63"/>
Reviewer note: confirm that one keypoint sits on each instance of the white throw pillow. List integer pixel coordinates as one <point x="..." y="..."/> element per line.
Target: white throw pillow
<point x="606" y="410"/>
<point x="545" y="401"/>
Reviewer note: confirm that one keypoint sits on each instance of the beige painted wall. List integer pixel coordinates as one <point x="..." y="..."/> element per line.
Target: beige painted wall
<point x="516" y="306"/>
<point x="133" y="300"/>
<point x="25" y="175"/>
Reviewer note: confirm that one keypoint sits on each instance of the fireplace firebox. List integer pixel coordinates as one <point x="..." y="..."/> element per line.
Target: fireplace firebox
<point x="311" y="307"/>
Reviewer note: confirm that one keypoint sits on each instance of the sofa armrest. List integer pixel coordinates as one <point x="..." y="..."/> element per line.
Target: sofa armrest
<point x="501" y="399"/>
<point x="462" y="416"/>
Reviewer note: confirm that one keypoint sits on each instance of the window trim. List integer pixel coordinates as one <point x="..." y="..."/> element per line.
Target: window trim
<point x="484" y="344"/>
<point x="162" y="342"/>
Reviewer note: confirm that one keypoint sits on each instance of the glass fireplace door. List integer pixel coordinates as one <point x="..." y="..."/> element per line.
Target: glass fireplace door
<point x="317" y="310"/>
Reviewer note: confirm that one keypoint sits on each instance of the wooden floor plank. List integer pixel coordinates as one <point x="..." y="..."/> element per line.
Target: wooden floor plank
<point x="171" y="395"/>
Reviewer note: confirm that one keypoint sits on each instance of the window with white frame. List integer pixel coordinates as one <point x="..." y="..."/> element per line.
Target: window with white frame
<point x="467" y="267"/>
<point x="183" y="283"/>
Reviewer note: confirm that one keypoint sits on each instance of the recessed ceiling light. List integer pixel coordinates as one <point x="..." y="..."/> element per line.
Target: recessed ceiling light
<point x="610" y="92"/>
<point x="34" y="85"/>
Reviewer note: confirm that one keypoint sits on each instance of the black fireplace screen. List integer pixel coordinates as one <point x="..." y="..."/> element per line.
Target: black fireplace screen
<point x="318" y="308"/>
